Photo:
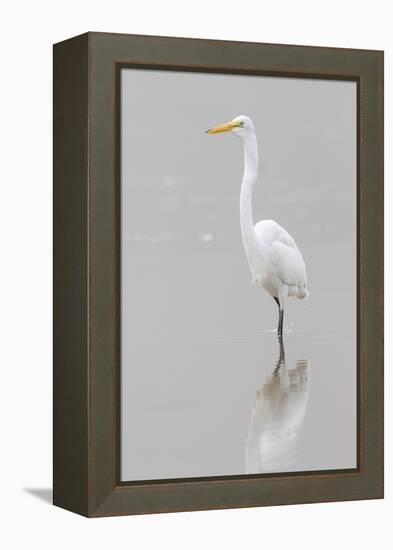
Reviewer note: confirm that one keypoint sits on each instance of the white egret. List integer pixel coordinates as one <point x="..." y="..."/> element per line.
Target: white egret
<point x="275" y="261"/>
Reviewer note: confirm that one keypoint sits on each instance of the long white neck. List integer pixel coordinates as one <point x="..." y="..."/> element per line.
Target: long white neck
<point x="250" y="176"/>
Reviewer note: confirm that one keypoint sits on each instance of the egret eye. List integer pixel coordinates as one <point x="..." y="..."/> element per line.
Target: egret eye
<point x="242" y="124"/>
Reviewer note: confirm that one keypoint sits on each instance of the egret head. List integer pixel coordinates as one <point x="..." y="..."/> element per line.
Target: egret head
<point x="241" y="126"/>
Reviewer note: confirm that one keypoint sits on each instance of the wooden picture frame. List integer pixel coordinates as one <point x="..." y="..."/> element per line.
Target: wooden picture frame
<point x="86" y="274"/>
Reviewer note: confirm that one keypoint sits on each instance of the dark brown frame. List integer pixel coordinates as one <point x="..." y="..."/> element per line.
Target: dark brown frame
<point x="86" y="273"/>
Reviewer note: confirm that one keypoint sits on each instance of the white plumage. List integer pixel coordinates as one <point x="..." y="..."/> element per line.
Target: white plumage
<point x="275" y="262"/>
<point x="282" y="263"/>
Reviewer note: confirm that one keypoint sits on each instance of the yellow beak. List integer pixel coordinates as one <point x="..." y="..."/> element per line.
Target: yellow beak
<point x="227" y="127"/>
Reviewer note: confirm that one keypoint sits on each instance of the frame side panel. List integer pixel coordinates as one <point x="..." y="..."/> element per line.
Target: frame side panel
<point x="371" y="270"/>
<point x="70" y="298"/>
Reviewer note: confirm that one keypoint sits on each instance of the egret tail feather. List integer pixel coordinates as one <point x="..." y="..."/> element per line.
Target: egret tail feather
<point x="303" y="293"/>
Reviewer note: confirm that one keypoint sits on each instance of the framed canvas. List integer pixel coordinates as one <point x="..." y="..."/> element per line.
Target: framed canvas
<point x="184" y="170"/>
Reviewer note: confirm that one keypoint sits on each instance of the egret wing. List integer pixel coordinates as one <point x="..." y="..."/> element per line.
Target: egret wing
<point x="289" y="264"/>
<point x="285" y="258"/>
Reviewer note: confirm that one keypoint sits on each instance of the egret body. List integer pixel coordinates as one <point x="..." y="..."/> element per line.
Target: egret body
<point x="275" y="261"/>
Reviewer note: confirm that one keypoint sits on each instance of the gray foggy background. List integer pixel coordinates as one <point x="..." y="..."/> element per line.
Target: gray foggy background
<point x="200" y="356"/>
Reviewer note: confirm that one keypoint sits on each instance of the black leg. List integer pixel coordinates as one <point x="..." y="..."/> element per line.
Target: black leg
<point x="280" y="323"/>
<point x="280" y="318"/>
<point x="281" y="359"/>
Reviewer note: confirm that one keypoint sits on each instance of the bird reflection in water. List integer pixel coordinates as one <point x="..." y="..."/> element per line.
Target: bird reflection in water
<point x="277" y="417"/>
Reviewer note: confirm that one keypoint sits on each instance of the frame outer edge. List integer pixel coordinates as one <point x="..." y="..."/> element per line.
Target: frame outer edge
<point x="105" y="498"/>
